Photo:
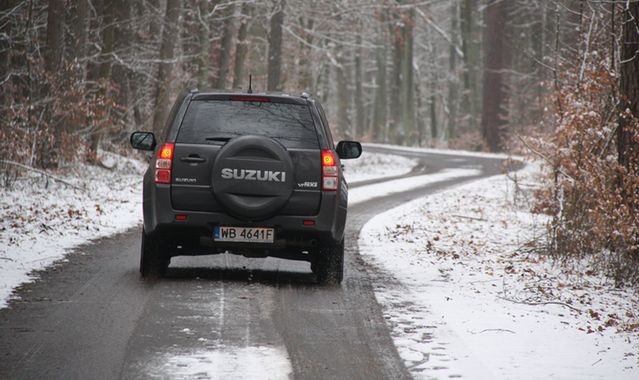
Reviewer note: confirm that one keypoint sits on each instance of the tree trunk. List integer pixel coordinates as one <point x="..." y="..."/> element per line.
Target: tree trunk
<point x="109" y="9"/>
<point x="140" y="84"/>
<point x="538" y="43"/>
<point x="122" y="45"/>
<point x="433" y="118"/>
<point x="407" y="87"/>
<point x="343" y="122"/>
<point x="305" y="81"/>
<point x="379" y="108"/>
<point x="432" y="99"/>
<point x="203" y="44"/>
<point x="167" y="52"/>
<point x="323" y="82"/>
<point x="420" y="122"/>
<point x="5" y="59"/>
<point x="242" y="46"/>
<point x="470" y="48"/>
<point x="275" y="48"/>
<point x="55" y="36"/>
<point x="452" y="74"/>
<point x="108" y="38"/>
<point x="572" y="26"/>
<point x="226" y="47"/>
<point x="358" y="126"/>
<point x="395" y="81"/>
<point x="48" y="146"/>
<point x="628" y="131"/>
<point x="155" y="14"/>
<point x="80" y="34"/>
<point x="495" y="96"/>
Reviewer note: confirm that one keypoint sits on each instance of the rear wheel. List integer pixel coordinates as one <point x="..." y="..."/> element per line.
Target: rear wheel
<point x="329" y="264"/>
<point x="154" y="260"/>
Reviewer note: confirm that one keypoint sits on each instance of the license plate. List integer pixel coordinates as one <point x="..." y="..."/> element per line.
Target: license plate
<point x="244" y="234"/>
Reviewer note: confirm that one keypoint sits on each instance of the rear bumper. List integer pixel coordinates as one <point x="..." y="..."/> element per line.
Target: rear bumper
<point x="194" y="234"/>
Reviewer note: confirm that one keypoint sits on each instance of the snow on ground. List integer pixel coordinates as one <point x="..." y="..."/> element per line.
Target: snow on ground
<point x="462" y="290"/>
<point x="446" y="152"/>
<point x="466" y="296"/>
<point x="376" y="165"/>
<point x="365" y="193"/>
<point x="42" y="219"/>
<point x="225" y="363"/>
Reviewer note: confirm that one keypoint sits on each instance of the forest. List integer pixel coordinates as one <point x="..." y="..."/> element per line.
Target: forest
<point x="555" y="79"/>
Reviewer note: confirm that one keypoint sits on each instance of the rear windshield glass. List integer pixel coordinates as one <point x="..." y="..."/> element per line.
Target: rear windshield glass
<point x="215" y="121"/>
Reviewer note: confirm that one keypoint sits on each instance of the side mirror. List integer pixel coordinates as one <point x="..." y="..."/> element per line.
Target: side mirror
<point x="349" y="149"/>
<point x="143" y="140"/>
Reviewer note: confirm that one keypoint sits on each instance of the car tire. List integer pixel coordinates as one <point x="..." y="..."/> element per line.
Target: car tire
<point x="153" y="258"/>
<point x="329" y="264"/>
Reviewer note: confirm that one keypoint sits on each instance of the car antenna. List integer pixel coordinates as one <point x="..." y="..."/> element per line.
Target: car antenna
<point x="250" y="90"/>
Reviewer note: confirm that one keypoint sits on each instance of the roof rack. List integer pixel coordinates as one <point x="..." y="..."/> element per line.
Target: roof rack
<point x="306" y="95"/>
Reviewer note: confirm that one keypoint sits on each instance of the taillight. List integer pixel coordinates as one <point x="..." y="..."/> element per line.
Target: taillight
<point x="329" y="170"/>
<point x="164" y="163"/>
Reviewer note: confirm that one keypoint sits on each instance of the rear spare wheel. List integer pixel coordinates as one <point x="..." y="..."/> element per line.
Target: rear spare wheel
<point x="252" y="177"/>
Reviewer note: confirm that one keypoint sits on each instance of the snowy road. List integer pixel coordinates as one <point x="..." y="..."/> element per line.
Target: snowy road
<point x="216" y="316"/>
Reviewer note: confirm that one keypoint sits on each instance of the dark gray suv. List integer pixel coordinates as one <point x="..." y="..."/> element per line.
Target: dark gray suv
<point x="252" y="174"/>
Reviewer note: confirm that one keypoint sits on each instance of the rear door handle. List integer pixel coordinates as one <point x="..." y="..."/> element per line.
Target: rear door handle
<point x="192" y="159"/>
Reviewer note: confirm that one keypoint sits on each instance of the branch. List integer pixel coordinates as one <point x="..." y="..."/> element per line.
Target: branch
<point x="495" y="330"/>
<point x="468" y="217"/>
<point x="42" y="172"/>
<point x="542" y="303"/>
<point x="439" y="30"/>
<point x="586" y="54"/>
<point x="541" y="155"/>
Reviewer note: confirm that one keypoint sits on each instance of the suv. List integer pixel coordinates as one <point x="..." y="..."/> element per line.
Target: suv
<point x="250" y="174"/>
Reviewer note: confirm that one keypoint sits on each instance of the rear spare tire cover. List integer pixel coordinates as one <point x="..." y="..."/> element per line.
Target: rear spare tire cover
<point x="252" y="177"/>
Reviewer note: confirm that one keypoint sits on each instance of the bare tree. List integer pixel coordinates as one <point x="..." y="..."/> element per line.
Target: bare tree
<point x="226" y="46"/>
<point x="275" y="47"/>
<point x="241" y="48"/>
<point x="388" y="69"/>
<point x="305" y="78"/>
<point x="55" y="35"/>
<point x="495" y="109"/>
<point x="123" y="42"/>
<point x="79" y="27"/>
<point x="406" y="86"/>
<point x="359" y="91"/>
<point x="628" y="130"/>
<point x="204" y="35"/>
<point x="343" y="97"/>
<point x="468" y="20"/>
<point x="167" y="51"/>
<point x="453" y="79"/>
<point x="378" y="123"/>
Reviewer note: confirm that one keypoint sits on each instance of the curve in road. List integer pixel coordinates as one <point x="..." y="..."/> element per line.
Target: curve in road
<point x="91" y="316"/>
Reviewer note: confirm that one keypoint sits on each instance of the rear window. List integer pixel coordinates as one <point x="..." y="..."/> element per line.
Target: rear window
<point x="214" y="121"/>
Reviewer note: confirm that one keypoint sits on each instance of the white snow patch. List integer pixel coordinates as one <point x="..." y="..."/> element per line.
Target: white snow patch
<point x="466" y="296"/>
<point x="376" y="165"/>
<point x="41" y="220"/>
<point x="365" y="193"/>
<point x="245" y="363"/>
<point x="447" y="152"/>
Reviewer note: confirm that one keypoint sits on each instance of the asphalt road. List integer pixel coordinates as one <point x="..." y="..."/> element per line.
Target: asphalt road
<point x="92" y="317"/>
